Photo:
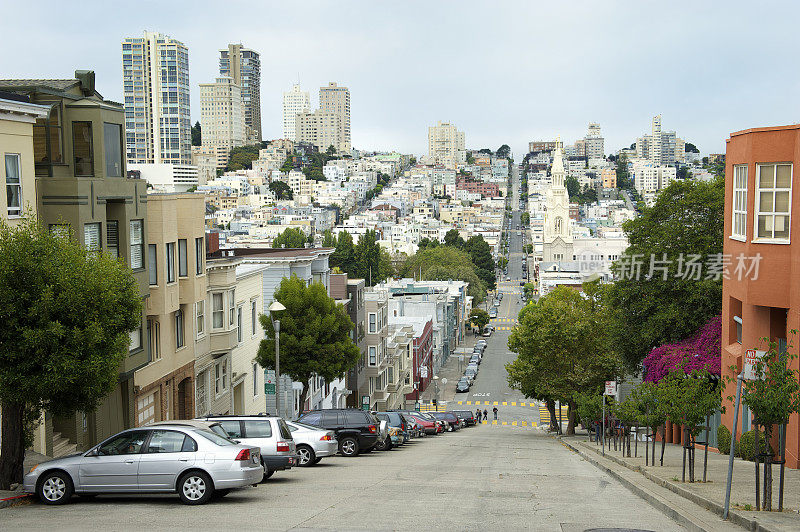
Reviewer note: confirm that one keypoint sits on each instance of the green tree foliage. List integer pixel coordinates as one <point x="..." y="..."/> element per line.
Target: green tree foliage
<point x="67" y="314"/>
<point x="479" y="318"/>
<point x="444" y="263"/>
<point x="371" y="262"/>
<point x="288" y="165"/>
<point x="525" y="218"/>
<point x="529" y="290"/>
<point x="197" y="137"/>
<point x="452" y="238"/>
<point x="314" y="173"/>
<point x="331" y="151"/>
<point x="242" y="157"/>
<point x="290" y="238"/>
<point x="573" y="187"/>
<point x="528" y="248"/>
<point x="314" y="335"/>
<point x="328" y="240"/>
<point x="502" y="262"/>
<point x="425" y="243"/>
<point x="690" y="148"/>
<point x="685" y="220"/>
<point x="481" y="255"/>
<point x="589" y="407"/>
<point x="470" y="159"/>
<point x="503" y="151"/>
<point x="560" y="341"/>
<point x="623" y="175"/>
<point x="281" y="190"/>
<point x="344" y="256"/>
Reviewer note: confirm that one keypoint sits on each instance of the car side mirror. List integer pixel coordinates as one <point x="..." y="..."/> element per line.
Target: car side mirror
<point x="93" y="452"/>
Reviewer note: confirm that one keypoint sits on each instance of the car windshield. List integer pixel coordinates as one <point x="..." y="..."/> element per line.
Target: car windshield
<point x="296" y="424"/>
<point x="214" y="437"/>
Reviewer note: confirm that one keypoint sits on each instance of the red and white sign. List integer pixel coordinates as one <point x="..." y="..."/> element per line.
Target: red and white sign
<point x="611" y="388"/>
<point x="751" y="358"/>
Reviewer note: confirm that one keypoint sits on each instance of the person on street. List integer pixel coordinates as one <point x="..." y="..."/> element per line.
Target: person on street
<point x="478" y="415"/>
<point x="495" y="413"/>
<point x="485" y="415"/>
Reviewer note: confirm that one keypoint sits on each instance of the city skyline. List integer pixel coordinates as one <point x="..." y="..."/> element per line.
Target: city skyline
<point x="509" y="75"/>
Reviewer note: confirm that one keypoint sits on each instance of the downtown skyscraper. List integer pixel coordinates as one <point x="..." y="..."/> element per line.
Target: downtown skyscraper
<point x="243" y="65"/>
<point x="155" y="70"/>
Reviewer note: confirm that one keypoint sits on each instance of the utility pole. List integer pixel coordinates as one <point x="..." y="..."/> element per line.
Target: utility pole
<point x="278" y="368"/>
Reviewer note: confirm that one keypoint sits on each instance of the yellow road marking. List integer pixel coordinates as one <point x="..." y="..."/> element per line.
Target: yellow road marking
<point x="468" y="402"/>
<point x="494" y="422"/>
<point x="513" y="423"/>
<point x="460" y="402"/>
<point x="486" y="402"/>
<point x="505" y="423"/>
<point x="524" y="423"/>
<point x="495" y="403"/>
<point x="505" y="403"/>
<point x="513" y="404"/>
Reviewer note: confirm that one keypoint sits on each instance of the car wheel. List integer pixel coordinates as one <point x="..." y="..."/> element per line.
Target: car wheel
<point x="305" y="456"/>
<point x="348" y="447"/>
<point x="195" y="487"/>
<point x="218" y="494"/>
<point x="55" y="488"/>
<point x="268" y="473"/>
<point x="317" y="460"/>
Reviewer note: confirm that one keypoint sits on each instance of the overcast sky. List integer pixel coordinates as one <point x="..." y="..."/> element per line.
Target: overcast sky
<point x="503" y="72"/>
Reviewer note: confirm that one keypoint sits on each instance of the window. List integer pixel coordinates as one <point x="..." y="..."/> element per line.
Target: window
<point x="125" y="443"/>
<point x="255" y="379"/>
<point x="154" y="339"/>
<point x="200" y="311"/>
<point x="170" y="262"/>
<point x="82" y="149"/>
<point x="179" y="341"/>
<point x="738" y="322"/>
<point x="773" y="201"/>
<point x="253" y="317"/>
<point x="239" y="324"/>
<point x="233" y="428"/>
<point x="373" y="321"/>
<point x="91" y="238"/>
<point x="231" y="307"/>
<point x="183" y="259"/>
<point x="47" y="142"/>
<point x="136" y="339"/>
<point x="169" y="441"/>
<point x="112" y="238"/>
<point x="261" y="428"/>
<point x="137" y="244"/>
<point x="152" y="263"/>
<point x="199" y="251"/>
<point x="390" y="374"/>
<point x="220" y="376"/>
<point x="13" y="185"/>
<point x="739" y="226"/>
<point x="373" y="355"/>
<point x="112" y="142"/>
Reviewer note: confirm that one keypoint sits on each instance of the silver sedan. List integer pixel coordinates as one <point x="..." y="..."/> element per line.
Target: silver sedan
<point x="192" y="461"/>
<point x="313" y="443"/>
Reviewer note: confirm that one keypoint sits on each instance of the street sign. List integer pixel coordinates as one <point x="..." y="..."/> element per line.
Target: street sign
<point x="751" y="358"/>
<point x="269" y="388"/>
<point x="611" y="388"/>
<point x="423" y="372"/>
<point x="444" y="381"/>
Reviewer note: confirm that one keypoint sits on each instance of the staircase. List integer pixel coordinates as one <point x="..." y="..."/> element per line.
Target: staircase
<point x="62" y="446"/>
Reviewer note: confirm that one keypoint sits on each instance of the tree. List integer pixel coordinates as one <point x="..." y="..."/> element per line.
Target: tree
<point x="479" y="318"/>
<point x="314" y="335"/>
<point x="331" y="151"/>
<point x="452" y="238"/>
<point x="502" y="262"/>
<point x="242" y="157"/>
<point x="573" y="187"/>
<point x="425" y="243"/>
<point x="288" y="165"/>
<point x="685" y="220"/>
<point x="444" y="263"/>
<point x="683" y="173"/>
<point x="328" y="240"/>
<point x="370" y="264"/>
<point x="481" y="255"/>
<point x="623" y="176"/>
<point x="503" y="151"/>
<point x="529" y="290"/>
<point x="67" y="317"/>
<point x="197" y="137"/>
<point x="525" y="218"/>
<point x="345" y="253"/>
<point x="290" y="238"/>
<point x="561" y="338"/>
<point x="690" y="148"/>
<point x="470" y="159"/>
<point x="281" y="190"/>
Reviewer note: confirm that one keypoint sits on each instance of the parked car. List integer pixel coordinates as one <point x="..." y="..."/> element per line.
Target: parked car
<point x="462" y="385"/>
<point x="493" y="312"/>
<point x="467" y="416"/>
<point x="313" y="443"/>
<point x="428" y="425"/>
<point x="163" y="459"/>
<point x="471" y="373"/>
<point x="396" y="421"/>
<point x="270" y="433"/>
<point x="356" y="430"/>
<point x="482" y="343"/>
<point x="475" y="359"/>
<point x="453" y="423"/>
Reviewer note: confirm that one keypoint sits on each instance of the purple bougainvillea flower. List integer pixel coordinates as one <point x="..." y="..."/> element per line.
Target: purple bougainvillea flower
<point x="700" y="351"/>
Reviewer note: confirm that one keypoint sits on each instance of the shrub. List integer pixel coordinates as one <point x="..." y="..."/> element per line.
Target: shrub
<point x="724" y="440"/>
<point x="746" y="448"/>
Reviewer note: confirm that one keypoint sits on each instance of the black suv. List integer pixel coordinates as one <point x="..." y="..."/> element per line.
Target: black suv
<point x="356" y="430"/>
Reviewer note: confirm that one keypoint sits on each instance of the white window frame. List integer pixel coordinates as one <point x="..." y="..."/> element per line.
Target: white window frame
<point x="739" y="203"/>
<point x="757" y="210"/>
<point x="199" y="253"/>
<point x="255" y="379"/>
<point x="136" y="339"/>
<point x="170" y="260"/>
<point x="137" y="241"/>
<point x="218" y="311"/>
<point x="239" y="318"/>
<point x="15" y="211"/>
<point x="254" y="315"/>
<point x="94" y="248"/>
<point x="372" y="326"/>
<point x="200" y="317"/>
<point x="183" y="258"/>
<point x="231" y="307"/>
<point x="372" y="359"/>
<point x="180" y="329"/>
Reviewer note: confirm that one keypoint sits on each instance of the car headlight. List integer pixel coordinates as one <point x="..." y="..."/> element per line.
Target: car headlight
<point x="33" y="468"/>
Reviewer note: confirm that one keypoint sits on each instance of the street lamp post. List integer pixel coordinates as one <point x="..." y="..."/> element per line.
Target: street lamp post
<point x="274" y="309"/>
<point x="436" y="390"/>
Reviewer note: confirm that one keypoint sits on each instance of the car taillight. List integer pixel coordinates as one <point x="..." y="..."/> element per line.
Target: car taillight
<point x="327" y="437"/>
<point x="403" y="426"/>
<point x="373" y="429"/>
<point x="283" y="447"/>
<point x="243" y="455"/>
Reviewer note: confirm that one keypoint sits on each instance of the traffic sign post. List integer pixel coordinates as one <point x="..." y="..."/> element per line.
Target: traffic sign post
<point x="611" y="389"/>
<point x="751" y="358"/>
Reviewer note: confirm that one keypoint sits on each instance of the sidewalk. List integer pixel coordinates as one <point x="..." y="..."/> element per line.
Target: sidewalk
<point x="709" y="495"/>
<point x="14" y="497"/>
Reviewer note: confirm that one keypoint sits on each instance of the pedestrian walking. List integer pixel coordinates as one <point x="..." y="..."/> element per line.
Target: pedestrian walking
<point x="495" y="413"/>
<point x="485" y="415"/>
<point x="478" y="415"/>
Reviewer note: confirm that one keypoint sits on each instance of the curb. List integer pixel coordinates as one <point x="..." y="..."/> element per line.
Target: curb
<point x="733" y="516"/>
<point x="15" y="500"/>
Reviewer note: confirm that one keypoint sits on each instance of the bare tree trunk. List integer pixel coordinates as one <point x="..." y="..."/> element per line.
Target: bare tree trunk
<point x="551" y="407"/>
<point x="767" y="469"/>
<point x="12" y="453"/>
<point x="303" y="395"/>
<point x="571" y="418"/>
<point x="663" y="443"/>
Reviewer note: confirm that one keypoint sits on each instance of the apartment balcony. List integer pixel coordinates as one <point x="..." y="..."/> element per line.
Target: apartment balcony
<point x="222" y="340"/>
<point x="372" y="371"/>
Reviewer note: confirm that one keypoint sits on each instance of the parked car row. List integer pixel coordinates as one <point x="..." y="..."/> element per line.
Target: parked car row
<point x="471" y="372"/>
<point x="206" y="458"/>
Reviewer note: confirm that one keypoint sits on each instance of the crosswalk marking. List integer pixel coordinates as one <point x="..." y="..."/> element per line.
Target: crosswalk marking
<point x="495" y="403"/>
<point x="542" y="409"/>
<point x="531" y="424"/>
<point x="505" y="403"/>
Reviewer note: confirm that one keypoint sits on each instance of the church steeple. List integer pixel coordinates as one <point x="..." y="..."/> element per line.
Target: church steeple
<point x="557" y="171"/>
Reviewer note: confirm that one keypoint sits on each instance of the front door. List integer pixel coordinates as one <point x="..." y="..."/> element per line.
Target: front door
<point x="169" y="453"/>
<point x="115" y="465"/>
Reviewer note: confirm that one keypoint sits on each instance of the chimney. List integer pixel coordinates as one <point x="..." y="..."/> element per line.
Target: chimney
<point x="86" y="77"/>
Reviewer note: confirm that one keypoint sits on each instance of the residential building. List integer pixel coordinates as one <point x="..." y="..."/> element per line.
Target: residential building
<point x="177" y="317"/>
<point x="166" y="177"/>
<point x="243" y="65"/>
<point x="80" y="174"/>
<point x="446" y="145"/>
<point x="761" y="293"/>
<point x="660" y="147"/>
<point x="335" y="100"/>
<point x="295" y="102"/>
<point x="204" y="159"/>
<point x="17" y="119"/>
<point x="594" y="142"/>
<point x="372" y="382"/>
<point x="542" y="145"/>
<point x="320" y="128"/>
<point x="356" y="310"/>
<point x="608" y="177"/>
<point x="155" y="73"/>
<point x="648" y="178"/>
<point x="222" y="117"/>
